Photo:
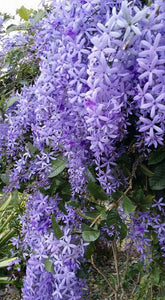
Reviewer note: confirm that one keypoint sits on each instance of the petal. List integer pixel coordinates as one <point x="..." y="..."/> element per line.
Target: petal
<point x="136" y="30"/>
<point x="149" y="97"/>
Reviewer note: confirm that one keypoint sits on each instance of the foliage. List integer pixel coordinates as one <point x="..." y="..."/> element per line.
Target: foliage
<point x="82" y="146"/>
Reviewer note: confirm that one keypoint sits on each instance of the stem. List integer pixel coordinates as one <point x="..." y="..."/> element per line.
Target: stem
<point x="124" y="276"/>
<point x="133" y="291"/>
<point x="99" y="216"/>
<point x="151" y="292"/>
<point x="114" y="249"/>
<point x="102" y="274"/>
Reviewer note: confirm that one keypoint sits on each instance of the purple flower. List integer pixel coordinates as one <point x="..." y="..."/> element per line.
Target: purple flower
<point x="158" y="203"/>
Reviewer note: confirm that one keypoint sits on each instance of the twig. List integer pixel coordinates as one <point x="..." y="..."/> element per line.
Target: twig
<point x="99" y="216"/>
<point x="123" y="292"/>
<point x="102" y="274"/>
<point x="133" y="291"/>
<point x="114" y="249"/>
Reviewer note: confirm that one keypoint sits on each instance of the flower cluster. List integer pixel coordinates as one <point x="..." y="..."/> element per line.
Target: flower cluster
<point x="151" y="75"/>
<point x="52" y="261"/>
<point x="139" y="225"/>
<point x="92" y="80"/>
<point x="159" y="224"/>
<point x="101" y="73"/>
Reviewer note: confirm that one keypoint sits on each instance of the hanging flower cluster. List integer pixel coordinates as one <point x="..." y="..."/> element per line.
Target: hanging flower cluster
<point x="92" y="79"/>
<point x="101" y="66"/>
<point x="52" y="261"/>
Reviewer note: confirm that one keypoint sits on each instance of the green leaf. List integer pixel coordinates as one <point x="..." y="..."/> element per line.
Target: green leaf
<point x="157" y="181"/>
<point x="122" y="229"/>
<point x="82" y="272"/>
<point x="73" y="203"/>
<point x="6" y="203"/>
<point x="6" y="262"/>
<point x="89" y="234"/>
<point x="127" y="204"/>
<point x="7" y="221"/>
<point x="11" y="101"/>
<point x="139" y="196"/>
<point x="5" y="178"/>
<point x="11" y="28"/>
<point x="91" y="215"/>
<point x="49" y="266"/>
<point x="7" y="64"/>
<point x="156" y="275"/>
<point x="57" y="231"/>
<point x="112" y="279"/>
<point x="146" y="171"/>
<point x="89" y="251"/>
<point x="58" y="166"/>
<point x="4" y="280"/>
<point x="156" y="157"/>
<point x="23" y="82"/>
<point x="14" y="198"/>
<point x="7" y="236"/>
<point x="96" y="191"/>
<point x="113" y="219"/>
<point x="91" y="175"/>
<point x="39" y="15"/>
<point x="147" y="202"/>
<point x="24" y="13"/>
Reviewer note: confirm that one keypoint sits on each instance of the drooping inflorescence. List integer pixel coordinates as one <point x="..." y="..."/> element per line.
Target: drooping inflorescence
<point x="101" y="74"/>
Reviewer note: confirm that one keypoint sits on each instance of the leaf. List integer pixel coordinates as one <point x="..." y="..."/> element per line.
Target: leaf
<point x="91" y="215"/>
<point x="156" y="157"/>
<point x="7" y="236"/>
<point x="11" y="101"/>
<point x="157" y="181"/>
<point x="139" y="196"/>
<point x="39" y="15"/>
<point x="156" y="275"/>
<point x="73" y="203"/>
<point x="127" y="204"/>
<point x="91" y="175"/>
<point x="146" y="171"/>
<point x="122" y="229"/>
<point x="4" y="280"/>
<point x="82" y="272"/>
<point x="89" y="234"/>
<point x="147" y="202"/>
<point x="57" y="231"/>
<point x="6" y="262"/>
<point x="144" y="279"/>
<point x="102" y="211"/>
<point x="96" y="191"/>
<point x="24" y="13"/>
<point x="15" y="198"/>
<point x="58" y="166"/>
<point x="49" y="266"/>
<point x="7" y="220"/>
<point x="5" y="178"/>
<point x="6" y="203"/>
<point x="112" y="279"/>
<point x="113" y="219"/>
<point x="89" y="251"/>
<point x="11" y="28"/>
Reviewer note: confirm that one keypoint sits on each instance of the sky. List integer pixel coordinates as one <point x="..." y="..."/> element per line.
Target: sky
<point x="10" y="6"/>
